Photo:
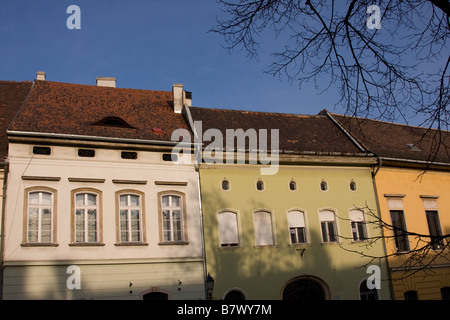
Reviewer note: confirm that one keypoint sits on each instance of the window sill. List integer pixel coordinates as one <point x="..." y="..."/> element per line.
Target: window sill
<point x="86" y="244"/>
<point x="304" y="244"/>
<point x="173" y="243"/>
<point x="329" y="243"/>
<point x="39" y="244"/>
<point x="230" y="247"/>
<point x="266" y="246"/>
<point x="131" y="244"/>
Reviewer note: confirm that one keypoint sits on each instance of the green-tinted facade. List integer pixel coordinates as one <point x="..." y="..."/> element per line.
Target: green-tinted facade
<point x="255" y="271"/>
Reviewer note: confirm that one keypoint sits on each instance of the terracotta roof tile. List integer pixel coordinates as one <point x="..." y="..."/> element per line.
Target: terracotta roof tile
<point x="12" y="96"/>
<point x="297" y="133"/>
<point x="398" y="141"/>
<point x="74" y="109"/>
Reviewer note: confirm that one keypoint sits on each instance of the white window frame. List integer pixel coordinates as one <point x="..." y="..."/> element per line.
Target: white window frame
<point x="128" y="208"/>
<point x="327" y="217"/>
<point x="86" y="209"/>
<point x="171" y="218"/>
<point x="357" y="217"/>
<point x="40" y="207"/>
<point x="297" y="223"/>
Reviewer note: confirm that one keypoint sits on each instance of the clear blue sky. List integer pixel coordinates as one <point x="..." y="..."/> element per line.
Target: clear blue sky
<point x="146" y="44"/>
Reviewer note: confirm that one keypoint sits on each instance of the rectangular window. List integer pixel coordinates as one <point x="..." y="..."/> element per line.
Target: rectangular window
<point x="434" y="226"/>
<point x="262" y="222"/>
<point x="399" y="228"/>
<point x="297" y="230"/>
<point x="358" y="225"/>
<point x="130" y="218"/>
<point x="39" y="224"/>
<point x="172" y="218"/>
<point x="328" y="226"/>
<point x="228" y="229"/>
<point x="86" y="217"/>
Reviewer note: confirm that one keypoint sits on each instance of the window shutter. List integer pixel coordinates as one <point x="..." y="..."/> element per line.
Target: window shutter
<point x="296" y="219"/>
<point x="228" y="229"/>
<point x="326" y="215"/>
<point x="262" y="222"/>
<point x="356" y="215"/>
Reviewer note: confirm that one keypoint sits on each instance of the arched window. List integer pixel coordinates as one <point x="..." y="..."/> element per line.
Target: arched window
<point x="323" y="185"/>
<point x="228" y="229"/>
<point x="172" y="217"/>
<point x="40" y="216"/>
<point x="306" y="288"/>
<point x="367" y="294"/>
<point x="130" y="217"/>
<point x="225" y="185"/>
<point x="297" y="227"/>
<point x="86" y="217"/>
<point x="352" y="185"/>
<point x="292" y="185"/>
<point x="260" y="185"/>
<point x="328" y="226"/>
<point x="263" y="228"/>
<point x="358" y="225"/>
<point x="235" y="295"/>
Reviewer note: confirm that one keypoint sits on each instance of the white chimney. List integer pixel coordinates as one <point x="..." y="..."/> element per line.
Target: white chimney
<point x="106" y="82"/>
<point x="177" y="93"/>
<point x="40" y="75"/>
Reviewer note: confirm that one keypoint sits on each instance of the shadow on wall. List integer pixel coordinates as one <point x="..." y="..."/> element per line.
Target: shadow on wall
<point x="280" y="270"/>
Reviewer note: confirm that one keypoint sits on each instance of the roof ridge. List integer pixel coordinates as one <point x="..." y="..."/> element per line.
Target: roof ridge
<point x="387" y="122"/>
<point x="260" y="112"/>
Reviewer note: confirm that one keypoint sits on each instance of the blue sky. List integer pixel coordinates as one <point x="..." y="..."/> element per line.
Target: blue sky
<point x="146" y="45"/>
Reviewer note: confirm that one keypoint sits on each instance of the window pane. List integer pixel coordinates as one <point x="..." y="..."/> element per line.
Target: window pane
<point x="33" y="225"/>
<point x="323" y="225"/>
<point x="46" y="198"/>
<point x="134" y="200"/>
<point x="33" y="198"/>
<point x="123" y="201"/>
<point x="79" y="199"/>
<point x="175" y="201"/>
<point x="165" y="201"/>
<point x="123" y="225"/>
<point x="331" y="232"/>
<point x="92" y="199"/>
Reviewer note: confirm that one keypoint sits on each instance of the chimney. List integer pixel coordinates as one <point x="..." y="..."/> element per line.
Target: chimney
<point x="178" y="95"/>
<point x="106" y="82"/>
<point x="40" y="75"/>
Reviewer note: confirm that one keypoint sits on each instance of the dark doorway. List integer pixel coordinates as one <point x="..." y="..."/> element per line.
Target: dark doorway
<point x="158" y="296"/>
<point x="234" y="295"/>
<point x="305" y="289"/>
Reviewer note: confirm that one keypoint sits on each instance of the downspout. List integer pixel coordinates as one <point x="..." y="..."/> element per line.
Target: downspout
<point x="189" y="120"/>
<point x="2" y="231"/>
<point x="377" y="202"/>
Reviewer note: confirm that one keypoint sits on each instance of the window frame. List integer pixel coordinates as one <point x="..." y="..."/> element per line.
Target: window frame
<point x="184" y="231"/>
<point x="142" y="216"/>
<point x="53" y="217"/>
<point x="238" y="229"/>
<point x="327" y="223"/>
<point x="305" y="228"/>
<point x="359" y="225"/>
<point x="99" y="217"/>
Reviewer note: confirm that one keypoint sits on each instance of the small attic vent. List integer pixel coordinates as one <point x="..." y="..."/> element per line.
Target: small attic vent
<point x="413" y="147"/>
<point x="113" y="122"/>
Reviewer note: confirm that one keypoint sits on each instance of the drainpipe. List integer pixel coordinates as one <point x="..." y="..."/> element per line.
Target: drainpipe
<point x="2" y="230"/>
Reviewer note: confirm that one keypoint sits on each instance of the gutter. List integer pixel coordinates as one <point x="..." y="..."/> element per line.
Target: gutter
<point x="96" y="138"/>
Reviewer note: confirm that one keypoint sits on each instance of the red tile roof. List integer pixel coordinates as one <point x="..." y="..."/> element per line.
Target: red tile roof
<point x="86" y="110"/>
<point x="398" y="141"/>
<point x="12" y="96"/>
<point x="297" y="133"/>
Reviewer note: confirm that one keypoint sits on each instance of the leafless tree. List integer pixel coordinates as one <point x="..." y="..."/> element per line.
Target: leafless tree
<point x="387" y="73"/>
<point x="424" y="250"/>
